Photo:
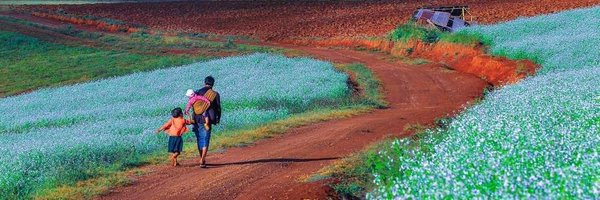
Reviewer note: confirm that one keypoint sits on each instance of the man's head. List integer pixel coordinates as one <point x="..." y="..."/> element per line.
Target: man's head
<point x="209" y="81"/>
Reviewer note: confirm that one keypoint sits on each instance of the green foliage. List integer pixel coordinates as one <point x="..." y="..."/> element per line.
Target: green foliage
<point x="355" y="173"/>
<point x="412" y="31"/>
<point x="431" y="36"/>
<point x="408" y="31"/>
<point x="90" y="35"/>
<point x="198" y="35"/>
<point x="69" y="30"/>
<point x="367" y="82"/>
<point x="141" y="34"/>
<point x="112" y="21"/>
<point x="33" y="63"/>
<point x="465" y="38"/>
<point x="229" y="44"/>
<point x="36" y="63"/>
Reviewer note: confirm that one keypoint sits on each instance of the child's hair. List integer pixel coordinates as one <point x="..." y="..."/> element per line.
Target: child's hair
<point x="177" y="112"/>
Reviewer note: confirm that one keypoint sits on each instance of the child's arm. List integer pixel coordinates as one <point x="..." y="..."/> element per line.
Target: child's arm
<point x="165" y="126"/>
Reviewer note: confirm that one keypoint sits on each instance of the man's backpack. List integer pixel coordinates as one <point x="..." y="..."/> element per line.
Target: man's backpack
<point x="201" y="106"/>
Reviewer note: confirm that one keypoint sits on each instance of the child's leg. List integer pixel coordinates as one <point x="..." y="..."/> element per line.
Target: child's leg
<point x="175" y="155"/>
<point x="172" y="158"/>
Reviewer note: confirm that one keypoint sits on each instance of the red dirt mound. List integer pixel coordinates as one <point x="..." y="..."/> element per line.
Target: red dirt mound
<point x="469" y="59"/>
<point x="279" y="19"/>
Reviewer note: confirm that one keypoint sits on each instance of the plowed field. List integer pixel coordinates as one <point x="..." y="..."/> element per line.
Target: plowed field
<point x="276" y="20"/>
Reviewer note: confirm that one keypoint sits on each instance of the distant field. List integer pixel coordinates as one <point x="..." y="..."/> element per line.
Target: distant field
<point x="57" y="2"/>
<point x="35" y="56"/>
<point x="29" y="63"/>
<point x="291" y="19"/>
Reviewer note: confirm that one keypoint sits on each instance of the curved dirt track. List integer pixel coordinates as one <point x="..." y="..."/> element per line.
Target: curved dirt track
<point x="273" y="168"/>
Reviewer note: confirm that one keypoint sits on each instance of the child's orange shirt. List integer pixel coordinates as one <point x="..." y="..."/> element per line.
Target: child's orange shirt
<point x="176" y="126"/>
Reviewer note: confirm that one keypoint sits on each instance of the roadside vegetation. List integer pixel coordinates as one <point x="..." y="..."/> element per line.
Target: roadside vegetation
<point x="534" y="139"/>
<point x="47" y="60"/>
<point x="28" y="63"/>
<point x="412" y="31"/>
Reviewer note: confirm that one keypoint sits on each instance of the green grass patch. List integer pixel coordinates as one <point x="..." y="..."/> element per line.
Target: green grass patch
<point x="369" y="87"/>
<point x="354" y="173"/>
<point x="29" y="63"/>
<point x="412" y="31"/>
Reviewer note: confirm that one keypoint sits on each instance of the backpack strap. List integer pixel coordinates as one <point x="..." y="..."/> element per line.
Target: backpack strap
<point x="210" y="95"/>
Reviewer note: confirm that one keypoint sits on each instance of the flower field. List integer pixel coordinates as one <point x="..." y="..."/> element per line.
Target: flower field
<point x="60" y="135"/>
<point x="536" y="139"/>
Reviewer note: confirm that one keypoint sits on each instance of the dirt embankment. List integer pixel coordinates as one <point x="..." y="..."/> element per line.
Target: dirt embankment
<point x="468" y="59"/>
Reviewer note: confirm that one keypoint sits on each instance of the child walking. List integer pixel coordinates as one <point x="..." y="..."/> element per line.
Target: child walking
<point x="195" y="98"/>
<point x="175" y="127"/>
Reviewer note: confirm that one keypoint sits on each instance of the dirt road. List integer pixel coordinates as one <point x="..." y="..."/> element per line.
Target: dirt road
<point x="273" y="168"/>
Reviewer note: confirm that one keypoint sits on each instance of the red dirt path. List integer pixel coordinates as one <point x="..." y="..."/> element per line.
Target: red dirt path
<point x="471" y="59"/>
<point x="277" y="19"/>
<point x="274" y="168"/>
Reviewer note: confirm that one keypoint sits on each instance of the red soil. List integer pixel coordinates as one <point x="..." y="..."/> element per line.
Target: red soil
<point x="93" y="23"/>
<point x="277" y="20"/>
<point x="468" y="59"/>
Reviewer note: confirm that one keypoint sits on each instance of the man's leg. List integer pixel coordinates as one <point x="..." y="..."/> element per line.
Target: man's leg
<point x="205" y="147"/>
<point x="203" y="155"/>
<point x="196" y="130"/>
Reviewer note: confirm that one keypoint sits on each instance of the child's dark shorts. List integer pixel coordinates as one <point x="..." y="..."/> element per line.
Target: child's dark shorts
<point x="175" y="144"/>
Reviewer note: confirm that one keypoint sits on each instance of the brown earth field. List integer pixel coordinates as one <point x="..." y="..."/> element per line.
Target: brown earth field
<point x="280" y="19"/>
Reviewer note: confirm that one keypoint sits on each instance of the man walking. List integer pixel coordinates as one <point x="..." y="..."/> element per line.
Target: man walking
<point x="213" y="113"/>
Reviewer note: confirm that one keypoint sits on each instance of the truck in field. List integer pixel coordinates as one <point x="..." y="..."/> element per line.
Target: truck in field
<point x="449" y="18"/>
